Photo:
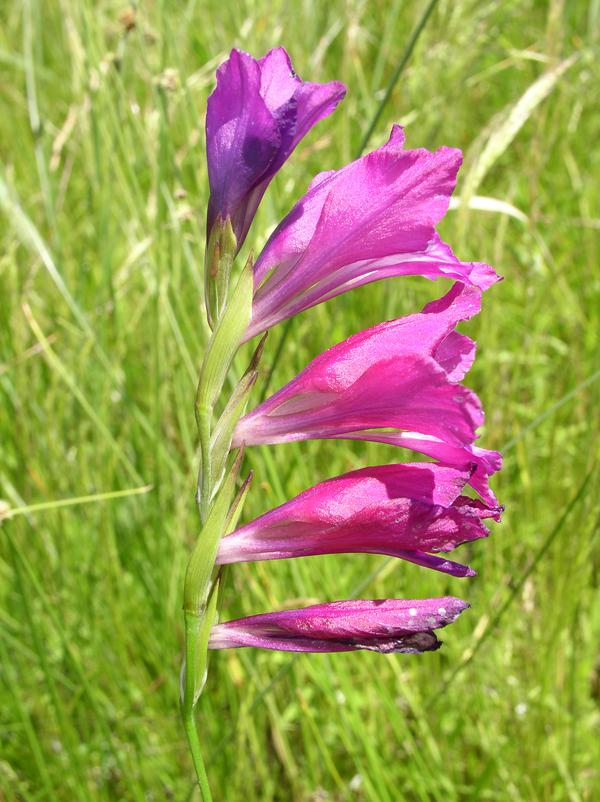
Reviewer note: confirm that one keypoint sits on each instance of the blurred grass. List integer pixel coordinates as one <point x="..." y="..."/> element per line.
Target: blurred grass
<point x="103" y="187"/>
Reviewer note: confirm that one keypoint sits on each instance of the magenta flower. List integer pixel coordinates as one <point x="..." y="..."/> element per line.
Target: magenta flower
<point x="481" y="461"/>
<point x="373" y="219"/>
<point x="403" y="511"/>
<point x="386" y="626"/>
<point x="257" y="114"/>
<point x="400" y="376"/>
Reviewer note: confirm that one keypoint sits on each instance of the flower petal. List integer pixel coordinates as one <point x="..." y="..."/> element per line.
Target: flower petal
<point x="372" y="219"/>
<point x="387" y="625"/>
<point x="484" y="462"/>
<point x="399" y="510"/>
<point x="256" y="116"/>
<point x="398" y="374"/>
<point x="408" y="392"/>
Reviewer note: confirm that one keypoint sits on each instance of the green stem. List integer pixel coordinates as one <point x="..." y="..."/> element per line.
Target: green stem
<point x="200" y="594"/>
<point x="193" y="621"/>
<point x="205" y="489"/>
<point x="193" y="627"/>
<point x="189" y="724"/>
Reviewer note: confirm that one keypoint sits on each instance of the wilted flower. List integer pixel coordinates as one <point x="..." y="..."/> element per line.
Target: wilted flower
<point x="402" y="510"/>
<point x="257" y="114"/>
<point x="386" y="625"/>
<point x="373" y="219"/>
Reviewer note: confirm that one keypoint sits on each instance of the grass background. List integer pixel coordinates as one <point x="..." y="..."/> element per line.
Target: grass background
<point x="103" y="191"/>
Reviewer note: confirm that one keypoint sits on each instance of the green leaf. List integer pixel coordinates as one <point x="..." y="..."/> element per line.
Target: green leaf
<point x="200" y="567"/>
<point x="235" y="408"/>
<point x="220" y="255"/>
<point x="226" y="340"/>
<point x="222" y="436"/>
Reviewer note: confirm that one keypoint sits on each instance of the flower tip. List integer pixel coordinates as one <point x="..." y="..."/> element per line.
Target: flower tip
<point x="453" y="155"/>
<point x="417" y="643"/>
<point x="274" y="52"/>
<point x="450" y="608"/>
<point x="235" y="57"/>
<point x="331" y="94"/>
<point x="341" y="89"/>
<point x="239" y="54"/>
<point x="397" y="136"/>
<point x="483" y="275"/>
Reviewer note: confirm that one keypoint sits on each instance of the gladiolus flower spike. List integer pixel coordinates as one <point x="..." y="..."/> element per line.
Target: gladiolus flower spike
<point x="399" y="382"/>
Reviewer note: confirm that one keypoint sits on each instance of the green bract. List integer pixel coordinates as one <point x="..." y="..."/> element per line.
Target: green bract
<point x="226" y="340"/>
<point x="201" y="564"/>
<point x="220" y="253"/>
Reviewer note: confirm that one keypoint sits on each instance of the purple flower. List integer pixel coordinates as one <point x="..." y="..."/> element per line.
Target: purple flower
<point x="400" y="376"/>
<point x="403" y="511"/>
<point x="257" y="114"/>
<point x="372" y="219"/>
<point x="386" y="625"/>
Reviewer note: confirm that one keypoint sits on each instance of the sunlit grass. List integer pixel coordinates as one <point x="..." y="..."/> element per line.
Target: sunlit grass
<point x="103" y="191"/>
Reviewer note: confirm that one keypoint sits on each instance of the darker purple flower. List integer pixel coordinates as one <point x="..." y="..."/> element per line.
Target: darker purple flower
<point x="386" y="626"/>
<point x="257" y="114"/>
<point x="373" y="219"/>
<point x="406" y="511"/>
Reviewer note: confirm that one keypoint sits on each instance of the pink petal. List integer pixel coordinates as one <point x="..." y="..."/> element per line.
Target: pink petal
<point x="408" y="392"/>
<point x="398" y="510"/>
<point x="372" y="219"/>
<point x="482" y="461"/>
<point x="399" y="374"/>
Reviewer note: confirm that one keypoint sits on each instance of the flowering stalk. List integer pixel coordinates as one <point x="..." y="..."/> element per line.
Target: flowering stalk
<point x="215" y="499"/>
<point x="398" y="382"/>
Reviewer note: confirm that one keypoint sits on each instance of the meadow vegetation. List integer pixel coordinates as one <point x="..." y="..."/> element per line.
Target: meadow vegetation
<point x="103" y="191"/>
